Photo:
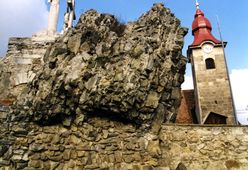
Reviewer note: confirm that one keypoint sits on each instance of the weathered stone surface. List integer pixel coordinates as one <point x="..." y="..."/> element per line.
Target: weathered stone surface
<point x="154" y="149"/>
<point x="181" y="166"/>
<point x="105" y="68"/>
<point x="96" y="140"/>
<point x="3" y="149"/>
<point x="124" y="146"/>
<point x="23" y="59"/>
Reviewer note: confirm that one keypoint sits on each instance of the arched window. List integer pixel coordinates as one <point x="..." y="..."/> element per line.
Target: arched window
<point x="210" y="63"/>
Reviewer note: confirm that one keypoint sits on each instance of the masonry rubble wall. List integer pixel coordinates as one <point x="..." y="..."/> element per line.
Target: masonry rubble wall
<point x="101" y="99"/>
<point x="108" y="144"/>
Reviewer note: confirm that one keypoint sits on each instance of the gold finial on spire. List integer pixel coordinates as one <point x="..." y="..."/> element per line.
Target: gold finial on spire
<point x="197" y="4"/>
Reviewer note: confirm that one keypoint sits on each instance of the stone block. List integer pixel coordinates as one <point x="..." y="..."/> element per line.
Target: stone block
<point x="24" y="61"/>
<point x="35" y="164"/>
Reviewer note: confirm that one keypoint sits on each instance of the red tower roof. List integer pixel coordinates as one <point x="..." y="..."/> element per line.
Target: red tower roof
<point x="201" y="29"/>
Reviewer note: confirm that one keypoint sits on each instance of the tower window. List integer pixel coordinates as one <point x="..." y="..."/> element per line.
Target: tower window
<point x="210" y="63"/>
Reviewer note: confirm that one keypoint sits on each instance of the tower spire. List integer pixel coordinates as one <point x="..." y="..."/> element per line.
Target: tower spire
<point x="201" y="28"/>
<point x="197" y="4"/>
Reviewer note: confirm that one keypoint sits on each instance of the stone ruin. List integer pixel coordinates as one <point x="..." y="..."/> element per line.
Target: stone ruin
<point x="99" y="98"/>
<point x="131" y="72"/>
<point x="102" y="96"/>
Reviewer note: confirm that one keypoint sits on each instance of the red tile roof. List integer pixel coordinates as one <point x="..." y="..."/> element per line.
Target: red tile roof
<point x="201" y="29"/>
<point x="187" y="107"/>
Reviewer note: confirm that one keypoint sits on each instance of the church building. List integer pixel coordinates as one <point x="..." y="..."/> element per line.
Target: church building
<point x="211" y="101"/>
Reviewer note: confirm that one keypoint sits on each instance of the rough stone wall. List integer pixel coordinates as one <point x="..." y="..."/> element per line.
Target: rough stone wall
<point x="23" y="59"/>
<point x="106" y="67"/>
<point x="108" y="144"/>
<point x="212" y="85"/>
<point x="97" y="144"/>
<point x="205" y="147"/>
<point x="133" y="71"/>
<point x="107" y="83"/>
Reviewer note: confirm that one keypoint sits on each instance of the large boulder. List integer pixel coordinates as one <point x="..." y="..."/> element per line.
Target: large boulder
<point x="129" y="72"/>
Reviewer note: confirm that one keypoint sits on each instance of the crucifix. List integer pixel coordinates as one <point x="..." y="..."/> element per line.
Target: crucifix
<point x="197" y="4"/>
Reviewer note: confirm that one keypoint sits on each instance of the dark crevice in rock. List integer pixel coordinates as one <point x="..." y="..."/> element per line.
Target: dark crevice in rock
<point x="113" y="117"/>
<point x="53" y="120"/>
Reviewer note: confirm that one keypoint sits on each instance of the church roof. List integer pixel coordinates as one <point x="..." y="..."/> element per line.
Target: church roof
<point x="186" y="110"/>
<point x="201" y="29"/>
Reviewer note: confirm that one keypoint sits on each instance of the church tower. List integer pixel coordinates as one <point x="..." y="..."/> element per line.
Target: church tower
<point x="212" y="90"/>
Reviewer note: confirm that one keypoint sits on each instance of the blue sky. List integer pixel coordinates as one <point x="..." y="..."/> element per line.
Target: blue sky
<point x="20" y="18"/>
<point x="233" y="19"/>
